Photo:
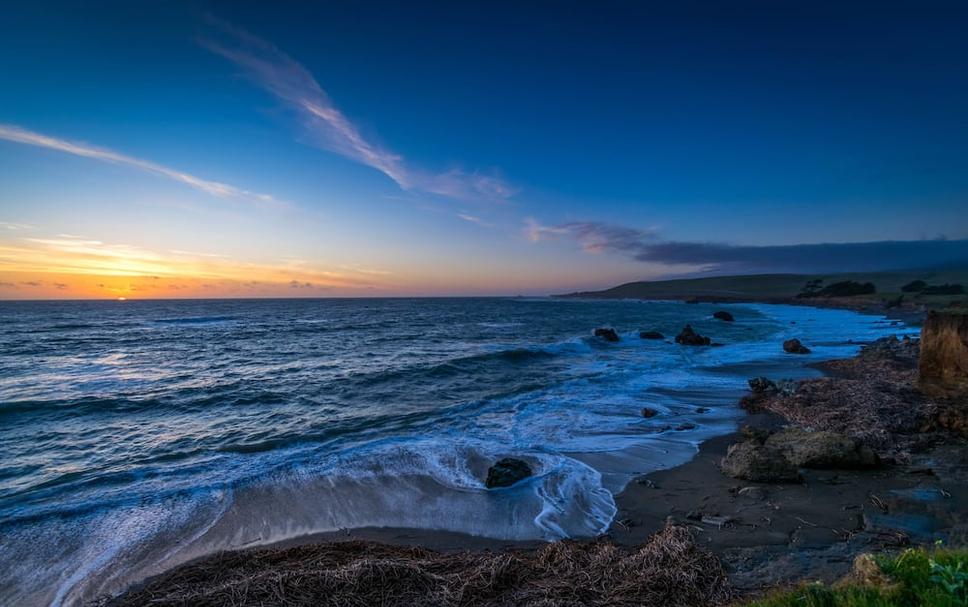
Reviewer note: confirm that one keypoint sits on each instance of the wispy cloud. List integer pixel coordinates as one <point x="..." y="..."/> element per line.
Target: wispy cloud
<point x="77" y="256"/>
<point x="328" y="127"/>
<point x="647" y="246"/>
<point x="16" y="134"/>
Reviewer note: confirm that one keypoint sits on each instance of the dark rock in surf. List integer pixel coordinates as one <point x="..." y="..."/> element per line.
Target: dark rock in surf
<point x="651" y="335"/>
<point x="793" y="346"/>
<point x="762" y="385"/>
<point x="688" y="337"/>
<point x="606" y="333"/>
<point x="723" y="315"/>
<point x="507" y="472"/>
<point x="649" y="412"/>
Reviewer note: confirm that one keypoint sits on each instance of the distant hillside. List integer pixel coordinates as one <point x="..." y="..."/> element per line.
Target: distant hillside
<point x="784" y="287"/>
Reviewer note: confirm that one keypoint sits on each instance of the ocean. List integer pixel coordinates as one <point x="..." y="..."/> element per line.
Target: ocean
<point x="137" y="435"/>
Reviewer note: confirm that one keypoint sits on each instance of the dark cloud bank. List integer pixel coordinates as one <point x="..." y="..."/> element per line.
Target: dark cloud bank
<point x="720" y="257"/>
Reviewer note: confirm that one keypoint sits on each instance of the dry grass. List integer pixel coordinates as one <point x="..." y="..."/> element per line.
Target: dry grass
<point x="669" y="570"/>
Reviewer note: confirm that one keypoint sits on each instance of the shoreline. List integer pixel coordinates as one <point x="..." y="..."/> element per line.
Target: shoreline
<point x="775" y="534"/>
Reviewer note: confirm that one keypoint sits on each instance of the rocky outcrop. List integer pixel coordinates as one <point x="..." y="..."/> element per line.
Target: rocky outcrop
<point x="822" y="449"/>
<point x="775" y="458"/>
<point x="944" y="351"/>
<point x="606" y="333"/>
<point x="761" y="385"/>
<point x="651" y="335"/>
<point x="723" y="315"/>
<point x="793" y="346"/>
<point x="506" y="472"/>
<point x="754" y="461"/>
<point x="688" y="337"/>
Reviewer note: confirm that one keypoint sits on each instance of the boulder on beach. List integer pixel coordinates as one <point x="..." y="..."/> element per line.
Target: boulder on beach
<point x="754" y="461"/>
<point x="651" y="335"/>
<point x="688" y="337"/>
<point x="606" y="333"/>
<point x="506" y="472"/>
<point x="822" y="449"/>
<point x="793" y="346"/>
<point x="723" y="315"/>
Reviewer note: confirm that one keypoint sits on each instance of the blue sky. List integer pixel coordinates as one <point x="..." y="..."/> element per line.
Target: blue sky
<point x="419" y="148"/>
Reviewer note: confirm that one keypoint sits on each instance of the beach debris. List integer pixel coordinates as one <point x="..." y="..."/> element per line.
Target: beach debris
<point x="753" y="493"/>
<point x="688" y="337"/>
<point x="723" y="315"/>
<point x="793" y="346"/>
<point x="649" y="412"/>
<point x="606" y="333"/>
<point x="669" y="569"/>
<point x="651" y="335"/>
<point x="507" y="472"/>
<point x="717" y="521"/>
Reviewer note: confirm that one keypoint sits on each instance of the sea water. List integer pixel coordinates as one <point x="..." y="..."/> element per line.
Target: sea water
<point x="137" y="435"/>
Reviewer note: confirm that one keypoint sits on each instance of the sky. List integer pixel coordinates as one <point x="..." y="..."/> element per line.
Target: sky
<point x="231" y="149"/>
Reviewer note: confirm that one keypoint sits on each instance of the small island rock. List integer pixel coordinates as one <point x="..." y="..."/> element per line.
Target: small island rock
<point x="606" y="333"/>
<point x="506" y="472"/>
<point x="793" y="346"/>
<point x="688" y="337"/>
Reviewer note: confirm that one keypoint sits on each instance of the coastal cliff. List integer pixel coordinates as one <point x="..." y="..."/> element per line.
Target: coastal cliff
<point x="944" y="351"/>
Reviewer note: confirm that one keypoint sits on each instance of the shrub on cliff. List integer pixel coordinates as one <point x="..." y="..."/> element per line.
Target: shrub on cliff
<point x="915" y="286"/>
<point x="944" y="289"/>
<point x="845" y="288"/>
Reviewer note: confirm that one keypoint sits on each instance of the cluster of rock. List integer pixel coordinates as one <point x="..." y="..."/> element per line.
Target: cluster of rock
<point x="777" y="457"/>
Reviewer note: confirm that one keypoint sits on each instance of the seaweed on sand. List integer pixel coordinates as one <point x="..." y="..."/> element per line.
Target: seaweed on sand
<point x="667" y="570"/>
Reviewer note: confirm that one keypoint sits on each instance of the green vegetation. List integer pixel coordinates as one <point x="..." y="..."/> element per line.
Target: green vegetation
<point x="888" y="286"/>
<point x="913" y="578"/>
<point x="915" y="286"/>
<point x="844" y="288"/>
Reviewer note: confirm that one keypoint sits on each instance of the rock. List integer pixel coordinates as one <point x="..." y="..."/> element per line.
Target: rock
<point x="758" y="463"/>
<point x="685" y="426"/>
<point x="821" y="449"/>
<point x="688" y="337"/>
<point x="702" y="409"/>
<point x="793" y="346"/>
<point x="606" y="333"/>
<point x="649" y="412"/>
<point x="762" y="385"/>
<point x="944" y="351"/>
<point x="507" y="472"/>
<point x="723" y="315"/>
<point x="753" y="493"/>
<point x="651" y="335"/>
